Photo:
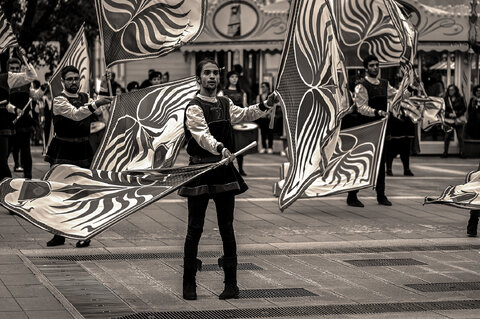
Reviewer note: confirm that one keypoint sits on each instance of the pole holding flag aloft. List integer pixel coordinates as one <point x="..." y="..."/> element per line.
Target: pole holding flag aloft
<point x="139" y="29"/>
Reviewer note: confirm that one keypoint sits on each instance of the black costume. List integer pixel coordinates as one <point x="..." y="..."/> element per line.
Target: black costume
<point x="7" y="128"/>
<point x="377" y="99"/>
<point x="220" y="184"/>
<point x="71" y="145"/>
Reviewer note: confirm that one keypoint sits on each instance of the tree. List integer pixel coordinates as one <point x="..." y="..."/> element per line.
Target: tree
<point x="36" y="22"/>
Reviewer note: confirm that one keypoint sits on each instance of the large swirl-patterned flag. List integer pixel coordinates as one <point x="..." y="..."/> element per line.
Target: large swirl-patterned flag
<point x="139" y="29"/>
<point x="80" y="203"/>
<point x="370" y="27"/>
<point x="76" y="55"/>
<point x="313" y="93"/>
<point x="145" y="129"/>
<point x="354" y="164"/>
<point x="465" y="196"/>
<point x="7" y="37"/>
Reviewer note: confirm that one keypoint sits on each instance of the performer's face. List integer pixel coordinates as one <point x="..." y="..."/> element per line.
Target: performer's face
<point x="71" y="82"/>
<point x="14" y="67"/>
<point x="210" y="77"/>
<point x="372" y="69"/>
<point x="233" y="79"/>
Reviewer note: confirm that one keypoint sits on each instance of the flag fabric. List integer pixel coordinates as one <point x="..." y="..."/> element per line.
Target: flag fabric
<point x="313" y="93"/>
<point x="430" y="108"/>
<point x="139" y="29"/>
<point x="7" y="37"/>
<point x="80" y="203"/>
<point x="465" y="196"/>
<point x="76" y="55"/>
<point x="145" y="129"/>
<point x="367" y="27"/>
<point x="354" y="164"/>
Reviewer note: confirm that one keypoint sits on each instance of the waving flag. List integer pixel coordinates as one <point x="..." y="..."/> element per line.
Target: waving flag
<point x="7" y="38"/>
<point x="465" y="196"/>
<point x="80" y="203"/>
<point x="368" y="27"/>
<point x="145" y="129"/>
<point x="139" y="29"/>
<point x="430" y="108"/>
<point x="354" y="164"/>
<point x="76" y="55"/>
<point x="313" y="93"/>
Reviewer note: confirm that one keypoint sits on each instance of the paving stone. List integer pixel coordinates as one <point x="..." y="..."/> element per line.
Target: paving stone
<point x="60" y="314"/>
<point x="39" y="303"/>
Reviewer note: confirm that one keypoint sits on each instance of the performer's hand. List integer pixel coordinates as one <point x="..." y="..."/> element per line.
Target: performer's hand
<point x="226" y="154"/>
<point x="11" y="108"/>
<point x="272" y="99"/>
<point x="382" y="113"/>
<point x="103" y="101"/>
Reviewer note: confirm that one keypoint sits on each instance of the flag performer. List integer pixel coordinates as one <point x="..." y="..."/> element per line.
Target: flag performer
<point x="72" y="112"/>
<point x="208" y="129"/>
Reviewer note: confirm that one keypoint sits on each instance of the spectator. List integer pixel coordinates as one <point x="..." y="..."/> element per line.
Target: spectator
<point x="239" y="97"/>
<point x="472" y="129"/>
<point x="166" y="77"/>
<point x="264" y="122"/>
<point x="154" y="77"/>
<point x="132" y="86"/>
<point x="455" y="110"/>
<point x="243" y="82"/>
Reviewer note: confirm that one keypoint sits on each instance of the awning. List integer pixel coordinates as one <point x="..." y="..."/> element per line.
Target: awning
<point x="229" y="46"/>
<point x="443" y="46"/>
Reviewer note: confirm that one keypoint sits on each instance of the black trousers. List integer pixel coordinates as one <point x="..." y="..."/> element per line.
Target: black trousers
<point x="266" y="132"/>
<point x="380" y="185"/>
<point x="400" y="146"/>
<point x="4" y="151"/>
<point x="197" y="206"/>
<point x="21" y="144"/>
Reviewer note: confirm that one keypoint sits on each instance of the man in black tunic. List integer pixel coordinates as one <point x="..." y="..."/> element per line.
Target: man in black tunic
<point x="371" y="98"/>
<point x="208" y="128"/>
<point x="72" y="112"/>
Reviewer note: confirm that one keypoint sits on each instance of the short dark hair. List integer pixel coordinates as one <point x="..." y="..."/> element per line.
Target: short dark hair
<point x="475" y="88"/>
<point x="132" y="85"/>
<point x="238" y="68"/>
<point x="369" y="59"/>
<point x="48" y="74"/>
<point x="267" y="85"/>
<point x="68" y="68"/>
<point x="201" y="64"/>
<point x="154" y="74"/>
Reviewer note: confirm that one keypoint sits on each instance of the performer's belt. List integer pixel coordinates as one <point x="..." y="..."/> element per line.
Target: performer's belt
<point x="72" y="139"/>
<point x="208" y="159"/>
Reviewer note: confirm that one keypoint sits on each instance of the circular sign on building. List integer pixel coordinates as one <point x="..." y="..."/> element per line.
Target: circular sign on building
<point x="235" y="19"/>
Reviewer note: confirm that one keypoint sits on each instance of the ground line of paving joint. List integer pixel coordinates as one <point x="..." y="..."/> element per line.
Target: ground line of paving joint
<point x="313" y="310"/>
<point x="53" y="290"/>
<point x="256" y="252"/>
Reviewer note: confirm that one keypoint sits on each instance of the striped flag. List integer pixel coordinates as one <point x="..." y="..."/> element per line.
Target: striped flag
<point x="354" y="164"/>
<point x="7" y="38"/>
<point x="140" y="29"/>
<point x="313" y="94"/>
<point x="465" y="196"/>
<point x="370" y="27"/>
<point x="76" y="55"/>
<point x="80" y="203"/>
<point x="145" y="129"/>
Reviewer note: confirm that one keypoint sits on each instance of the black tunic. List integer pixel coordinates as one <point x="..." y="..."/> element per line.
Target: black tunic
<point x="224" y="178"/>
<point x="71" y="144"/>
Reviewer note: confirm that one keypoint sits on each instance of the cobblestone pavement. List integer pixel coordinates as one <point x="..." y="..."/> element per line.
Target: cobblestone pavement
<point x="318" y="259"/>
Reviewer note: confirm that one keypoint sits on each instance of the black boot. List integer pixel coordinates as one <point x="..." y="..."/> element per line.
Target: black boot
<point x="190" y="267"/>
<point x="56" y="241"/>
<point x="473" y="223"/>
<point x="229" y="265"/>
<point x="352" y="200"/>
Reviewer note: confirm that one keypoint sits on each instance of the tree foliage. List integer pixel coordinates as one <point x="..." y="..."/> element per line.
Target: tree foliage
<point x="37" y="22"/>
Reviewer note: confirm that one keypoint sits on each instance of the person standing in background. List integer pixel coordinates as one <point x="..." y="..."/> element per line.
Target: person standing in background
<point x="264" y="122"/>
<point x="239" y="98"/>
<point x="455" y="109"/>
